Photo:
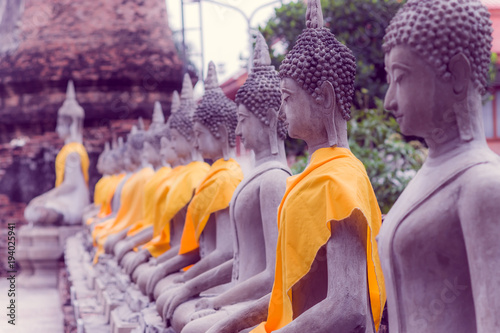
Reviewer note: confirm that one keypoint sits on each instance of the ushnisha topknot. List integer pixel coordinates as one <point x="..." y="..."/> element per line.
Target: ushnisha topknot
<point x="261" y="91"/>
<point x="437" y="30"/>
<point x="318" y="57"/>
<point x="215" y="109"/>
<point x="181" y="120"/>
<point x="155" y="130"/>
<point x="70" y="107"/>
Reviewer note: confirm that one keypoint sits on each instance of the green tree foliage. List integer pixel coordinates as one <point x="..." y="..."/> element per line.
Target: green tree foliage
<point x="359" y="24"/>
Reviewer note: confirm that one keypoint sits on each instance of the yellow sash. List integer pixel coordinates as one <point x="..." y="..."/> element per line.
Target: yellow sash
<point x="149" y="200"/>
<point x="177" y="196"/>
<point x="131" y="209"/>
<point x="100" y="189"/>
<point x="73" y="147"/>
<point x="213" y="194"/>
<point x="333" y="185"/>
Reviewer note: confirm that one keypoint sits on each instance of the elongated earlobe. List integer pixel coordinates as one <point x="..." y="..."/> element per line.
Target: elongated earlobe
<point x="272" y="116"/>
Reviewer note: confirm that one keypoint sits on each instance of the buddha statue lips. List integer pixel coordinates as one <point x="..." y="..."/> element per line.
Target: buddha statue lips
<point x="436" y="243"/>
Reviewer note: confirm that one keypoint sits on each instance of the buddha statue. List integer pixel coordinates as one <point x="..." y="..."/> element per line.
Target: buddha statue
<point x="141" y="230"/>
<point x="132" y="194"/>
<point x="64" y="204"/>
<point x="438" y="243"/>
<point x="207" y="235"/>
<point x="167" y="229"/>
<point x="252" y="210"/>
<point x="328" y="275"/>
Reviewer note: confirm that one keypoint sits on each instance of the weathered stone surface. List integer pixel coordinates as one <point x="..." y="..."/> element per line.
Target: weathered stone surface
<point x="119" y="53"/>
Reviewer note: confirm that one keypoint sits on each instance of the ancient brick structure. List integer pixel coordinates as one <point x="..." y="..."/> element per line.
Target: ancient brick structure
<point x="119" y="53"/>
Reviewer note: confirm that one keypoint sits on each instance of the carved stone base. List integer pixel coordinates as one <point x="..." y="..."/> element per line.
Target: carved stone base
<point x="39" y="253"/>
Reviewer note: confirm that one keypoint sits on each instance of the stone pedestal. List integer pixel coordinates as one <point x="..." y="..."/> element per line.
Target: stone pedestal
<point x="39" y="252"/>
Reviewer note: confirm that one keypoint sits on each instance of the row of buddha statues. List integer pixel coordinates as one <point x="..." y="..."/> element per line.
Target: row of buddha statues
<point x="187" y="246"/>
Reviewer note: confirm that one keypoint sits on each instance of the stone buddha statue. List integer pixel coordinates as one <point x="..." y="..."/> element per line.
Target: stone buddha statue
<point x="141" y="230"/>
<point x="64" y="204"/>
<point x="328" y="275"/>
<point x="132" y="194"/>
<point x="207" y="233"/>
<point x="252" y="210"/>
<point x="167" y="229"/>
<point x="438" y="243"/>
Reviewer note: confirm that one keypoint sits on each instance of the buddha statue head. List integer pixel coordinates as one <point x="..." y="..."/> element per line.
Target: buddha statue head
<point x="101" y="160"/>
<point x="317" y="84"/>
<point x="215" y="120"/>
<point x="180" y="125"/>
<point x="152" y="145"/>
<point x="70" y="117"/>
<point x="167" y="153"/>
<point x="259" y="101"/>
<point x="437" y="60"/>
<point x="134" y="147"/>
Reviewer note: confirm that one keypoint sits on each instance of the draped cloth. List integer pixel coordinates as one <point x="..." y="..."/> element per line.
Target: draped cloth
<point x="213" y="194"/>
<point x="131" y="209"/>
<point x="177" y="191"/>
<point x="109" y="192"/>
<point x="67" y="149"/>
<point x="100" y="190"/>
<point x="329" y="190"/>
<point x="149" y="201"/>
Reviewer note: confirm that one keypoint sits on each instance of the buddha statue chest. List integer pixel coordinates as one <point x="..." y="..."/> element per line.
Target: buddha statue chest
<point x="428" y="251"/>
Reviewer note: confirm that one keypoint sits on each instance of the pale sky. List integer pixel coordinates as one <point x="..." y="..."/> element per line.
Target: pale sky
<point x="225" y="31"/>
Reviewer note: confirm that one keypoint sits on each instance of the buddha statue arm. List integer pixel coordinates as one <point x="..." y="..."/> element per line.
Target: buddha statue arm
<point x="272" y="189"/>
<point x="479" y="213"/>
<point x="245" y="318"/>
<point x="170" y="266"/>
<point x="172" y="252"/>
<point x="344" y="308"/>
<point x="222" y="252"/>
<point x="212" y="278"/>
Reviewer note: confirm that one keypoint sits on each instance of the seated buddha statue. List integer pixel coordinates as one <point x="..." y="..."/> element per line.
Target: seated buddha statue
<point x="64" y="204"/>
<point x="438" y="243"/>
<point x="328" y="276"/>
<point x="132" y="198"/>
<point x="207" y="235"/>
<point x="140" y="231"/>
<point x="176" y="192"/>
<point x="252" y="210"/>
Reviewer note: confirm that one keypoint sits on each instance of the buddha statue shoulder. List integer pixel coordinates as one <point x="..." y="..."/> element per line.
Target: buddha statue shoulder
<point x="437" y="244"/>
<point x="64" y="205"/>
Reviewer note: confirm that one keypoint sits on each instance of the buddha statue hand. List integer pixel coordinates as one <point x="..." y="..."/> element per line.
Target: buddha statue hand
<point x="202" y="313"/>
<point x="122" y="248"/>
<point x="175" y="298"/>
<point x="159" y="273"/>
<point x="140" y="258"/>
<point x="206" y="304"/>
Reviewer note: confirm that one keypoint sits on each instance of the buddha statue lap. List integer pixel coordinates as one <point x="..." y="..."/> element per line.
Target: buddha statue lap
<point x="438" y="243"/>
<point x="64" y="205"/>
<point x="328" y="275"/>
<point x="252" y="209"/>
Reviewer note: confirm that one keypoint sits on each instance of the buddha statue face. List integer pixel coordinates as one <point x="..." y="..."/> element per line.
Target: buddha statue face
<point x="180" y="144"/>
<point x="207" y="144"/>
<point x="167" y="153"/>
<point x="63" y="128"/>
<point x="437" y="55"/>
<point x="253" y="132"/>
<point x="150" y="154"/>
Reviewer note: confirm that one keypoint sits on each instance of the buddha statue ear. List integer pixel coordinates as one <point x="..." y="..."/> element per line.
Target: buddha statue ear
<point x="328" y="105"/>
<point x="272" y="117"/>
<point x="460" y="70"/>
<point x="224" y="137"/>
